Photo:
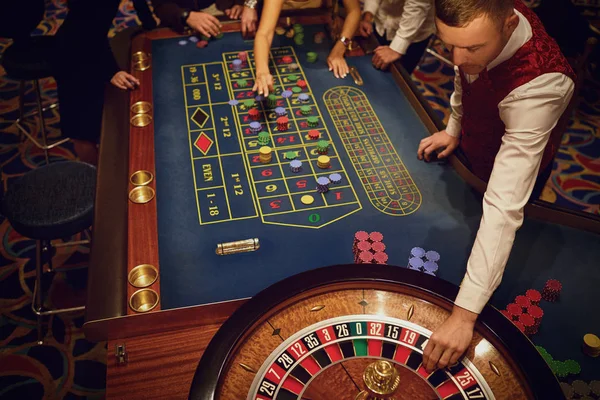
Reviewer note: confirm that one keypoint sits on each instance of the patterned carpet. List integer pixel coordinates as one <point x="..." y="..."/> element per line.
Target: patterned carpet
<point x="69" y="367"/>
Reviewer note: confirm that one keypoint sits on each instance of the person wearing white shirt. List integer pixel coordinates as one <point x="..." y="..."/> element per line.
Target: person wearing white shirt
<point x="512" y="91"/>
<point x="404" y="27"/>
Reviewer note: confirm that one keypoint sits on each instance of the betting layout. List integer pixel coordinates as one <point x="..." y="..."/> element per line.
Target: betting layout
<point x="290" y="369"/>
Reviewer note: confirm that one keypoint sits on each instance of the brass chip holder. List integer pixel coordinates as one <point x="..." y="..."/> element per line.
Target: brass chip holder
<point x="356" y="76"/>
<point x="240" y="246"/>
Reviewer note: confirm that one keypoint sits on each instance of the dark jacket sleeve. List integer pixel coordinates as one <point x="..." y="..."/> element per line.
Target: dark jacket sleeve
<point x="223" y="5"/>
<point x="169" y="12"/>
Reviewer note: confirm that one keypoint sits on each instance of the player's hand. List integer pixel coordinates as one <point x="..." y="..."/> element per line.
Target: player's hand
<point x="337" y="64"/>
<point x="437" y="141"/>
<point x="204" y="23"/>
<point x="450" y="340"/>
<point x="234" y="12"/>
<point x="365" y="28"/>
<point x="124" y="80"/>
<point x="249" y="21"/>
<point x="263" y="84"/>
<point x="384" y="56"/>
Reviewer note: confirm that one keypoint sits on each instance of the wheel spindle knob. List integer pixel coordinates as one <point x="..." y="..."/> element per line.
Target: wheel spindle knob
<point x="382" y="381"/>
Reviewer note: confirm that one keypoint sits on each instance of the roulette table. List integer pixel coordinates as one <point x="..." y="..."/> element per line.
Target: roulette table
<point x="191" y="223"/>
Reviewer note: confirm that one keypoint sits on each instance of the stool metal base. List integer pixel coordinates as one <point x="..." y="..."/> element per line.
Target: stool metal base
<point x="40" y="110"/>
<point x="44" y="248"/>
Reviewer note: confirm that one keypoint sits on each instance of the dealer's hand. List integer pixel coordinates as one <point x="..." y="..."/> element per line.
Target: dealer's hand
<point x="124" y="80"/>
<point x="437" y="141"/>
<point x="365" y="28"/>
<point x="450" y="340"/>
<point x="384" y="56"/>
<point x="204" y="23"/>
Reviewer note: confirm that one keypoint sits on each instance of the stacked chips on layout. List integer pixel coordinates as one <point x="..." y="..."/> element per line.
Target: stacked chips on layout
<point x="525" y="312"/>
<point x="581" y="390"/>
<point x="368" y="248"/>
<point x="424" y="261"/>
<point x="561" y="369"/>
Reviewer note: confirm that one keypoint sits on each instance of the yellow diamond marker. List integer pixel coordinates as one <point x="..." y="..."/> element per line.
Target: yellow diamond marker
<point x="265" y="150"/>
<point x="307" y="199"/>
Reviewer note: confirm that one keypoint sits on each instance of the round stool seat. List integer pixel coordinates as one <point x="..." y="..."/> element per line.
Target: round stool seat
<point x="52" y="202"/>
<point x="29" y="59"/>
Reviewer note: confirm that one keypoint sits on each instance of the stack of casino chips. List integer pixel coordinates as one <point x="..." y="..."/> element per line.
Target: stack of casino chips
<point x="237" y="65"/>
<point x="561" y="369"/>
<point x="292" y="78"/>
<point x="335" y="178"/>
<point x="322" y="147"/>
<point x="264" y="138"/>
<point x="323" y="184"/>
<point x="305" y="110"/>
<point x="579" y="389"/>
<point x="323" y="162"/>
<point x="369" y="248"/>
<point x="287" y="59"/>
<point x="311" y="57"/>
<point x="280" y="111"/>
<point x="303" y="98"/>
<point x="242" y="83"/>
<point x="283" y="124"/>
<point x="591" y="345"/>
<point x="319" y="37"/>
<point x="290" y="155"/>
<point x="296" y="89"/>
<point x="552" y="290"/>
<point x="286" y="94"/>
<point x="314" y="134"/>
<point x="255" y="127"/>
<point x="525" y="313"/>
<point x="249" y="103"/>
<point x="424" y="261"/>
<point x="243" y="56"/>
<point x="293" y="67"/>
<point x="266" y="154"/>
<point x="313" y="121"/>
<point x="301" y="83"/>
<point x="254" y="114"/>
<point x="295" y="166"/>
<point x="272" y="101"/>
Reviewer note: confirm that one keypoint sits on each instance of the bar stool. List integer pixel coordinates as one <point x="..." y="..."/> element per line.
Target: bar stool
<point x="29" y="59"/>
<point x="50" y="202"/>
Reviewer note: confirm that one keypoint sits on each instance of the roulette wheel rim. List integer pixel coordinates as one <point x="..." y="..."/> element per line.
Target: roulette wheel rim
<point x="538" y="376"/>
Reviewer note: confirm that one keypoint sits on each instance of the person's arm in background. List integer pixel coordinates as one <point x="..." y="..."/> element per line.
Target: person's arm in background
<point x="176" y="15"/>
<point x="369" y="10"/>
<point x="262" y="45"/>
<point x="413" y="16"/>
<point x="336" y="61"/>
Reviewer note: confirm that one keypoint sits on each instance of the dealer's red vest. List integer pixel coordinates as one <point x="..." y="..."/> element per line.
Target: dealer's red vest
<point x="481" y="124"/>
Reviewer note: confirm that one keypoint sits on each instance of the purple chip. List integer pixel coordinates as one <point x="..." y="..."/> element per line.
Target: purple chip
<point x="430" y="266"/>
<point x="303" y="97"/>
<point x="193" y="39"/>
<point x="417" y="252"/>
<point x="183" y="42"/>
<point x="323" y="181"/>
<point x="335" y="178"/>
<point x="286" y="94"/>
<point x="237" y="62"/>
<point x="432" y="255"/>
<point x="280" y="111"/>
<point x="259" y="98"/>
<point x="255" y="125"/>
<point x="415" y="263"/>
<point x="233" y="102"/>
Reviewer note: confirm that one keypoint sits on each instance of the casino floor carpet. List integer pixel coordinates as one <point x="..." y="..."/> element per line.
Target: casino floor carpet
<point x="68" y="366"/>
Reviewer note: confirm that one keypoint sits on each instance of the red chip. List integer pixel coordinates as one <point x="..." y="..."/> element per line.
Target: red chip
<point x="554" y="285"/>
<point x="534" y="296"/>
<point x="361" y="235"/>
<point x="301" y="83"/>
<point x="375" y="237"/>
<point x="254" y="113"/>
<point x="242" y="55"/>
<point x="202" y="44"/>
<point x="366" y="257"/>
<point x="514" y="311"/>
<point x="378" y="247"/>
<point x="529" y="324"/>
<point x="314" y="134"/>
<point x="380" y="258"/>
<point x="520" y="326"/>
<point x="363" y="246"/>
<point x="287" y="59"/>
<point x="506" y="314"/>
<point x="523" y="301"/>
<point x="536" y="312"/>
<point x="283" y="120"/>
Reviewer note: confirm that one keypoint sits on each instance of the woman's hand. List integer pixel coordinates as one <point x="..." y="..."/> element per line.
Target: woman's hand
<point x="337" y="63"/>
<point x="263" y="84"/>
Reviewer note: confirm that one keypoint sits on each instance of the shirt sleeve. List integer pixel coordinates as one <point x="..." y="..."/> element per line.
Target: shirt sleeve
<point x="413" y="16"/>
<point x="371" y="6"/>
<point x="529" y="113"/>
<point x="454" y="127"/>
<point x="169" y="13"/>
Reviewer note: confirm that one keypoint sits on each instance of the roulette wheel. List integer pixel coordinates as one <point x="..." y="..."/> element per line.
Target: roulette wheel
<point x="358" y="332"/>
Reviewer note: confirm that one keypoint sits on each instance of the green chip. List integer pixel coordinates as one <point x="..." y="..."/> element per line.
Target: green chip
<point x="296" y="89"/>
<point x="292" y="78"/>
<point x="305" y="109"/>
<point x="572" y="367"/>
<point x="321" y="144"/>
<point x="298" y="28"/>
<point x="299" y="42"/>
<point x="242" y="82"/>
<point x="263" y="135"/>
<point x="204" y="38"/>
<point x="220" y="35"/>
<point x="315" y="120"/>
<point x="249" y="103"/>
<point x="290" y="155"/>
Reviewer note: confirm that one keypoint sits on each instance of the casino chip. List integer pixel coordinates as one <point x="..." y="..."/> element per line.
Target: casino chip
<point x="536" y="312"/>
<point x="523" y="301"/>
<point x="552" y="290"/>
<point x="254" y="114"/>
<point x="567" y="390"/>
<point x="183" y="42"/>
<point x="201" y="44"/>
<point x="323" y="162"/>
<point x="242" y="83"/>
<point x="322" y="184"/>
<point x="303" y="97"/>
<point x="380" y="258"/>
<point x="233" y="102"/>
<point x="378" y="247"/>
<point x="581" y="388"/>
<point x="432" y="255"/>
<point x="290" y="155"/>
<point x="293" y="78"/>
<point x="266" y="154"/>
<point x="259" y="98"/>
<point x="255" y="127"/>
<point x="296" y="166"/>
<point x="287" y="59"/>
<point x="283" y="124"/>
<point x="301" y="83"/>
<point x="365" y="257"/>
<point x="293" y="67"/>
<point x="290" y="34"/>
<point x="417" y="252"/>
<point x="305" y="110"/>
<point x="296" y="89"/>
<point x="272" y="101"/>
<point x="311" y="57"/>
<point x="307" y="199"/>
<point x="591" y="345"/>
<point x="219" y="36"/>
<point x="430" y="266"/>
<point x="415" y="263"/>
<point x="314" y="134"/>
<point x="242" y="55"/>
<point x="573" y="367"/>
<point x="280" y="30"/>
<point x="249" y="103"/>
<point x="263" y="138"/>
<point x="595" y="387"/>
<point x="363" y="246"/>
<point x="237" y="65"/>
<point x="376" y="237"/>
<point x="193" y="39"/>
<point x="286" y="94"/>
<point x="335" y="178"/>
<point x="534" y="296"/>
<point x="280" y="111"/>
<point x="322" y="145"/>
<point x="360" y="236"/>
<point x="529" y="323"/>
<point x="514" y="311"/>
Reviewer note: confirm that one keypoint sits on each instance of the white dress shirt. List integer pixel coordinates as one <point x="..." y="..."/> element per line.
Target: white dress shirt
<point x="402" y="21"/>
<point x="530" y="113"/>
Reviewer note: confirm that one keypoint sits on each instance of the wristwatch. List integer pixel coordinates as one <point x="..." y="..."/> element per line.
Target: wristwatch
<point x="345" y="41"/>
<point x="250" y="4"/>
<point x="185" y="14"/>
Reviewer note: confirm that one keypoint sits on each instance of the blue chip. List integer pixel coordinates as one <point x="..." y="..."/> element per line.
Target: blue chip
<point x="296" y="164"/>
<point x="323" y="181"/>
<point x="430" y="266"/>
<point x="280" y="111"/>
<point x="286" y="94"/>
<point x="417" y="252"/>
<point x="255" y="125"/>
<point x="183" y="42"/>
<point x="193" y="39"/>
<point x="335" y="178"/>
<point x="233" y="102"/>
<point x="237" y="62"/>
<point x="415" y="263"/>
<point x="432" y="255"/>
<point x="259" y="98"/>
<point x="303" y="97"/>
